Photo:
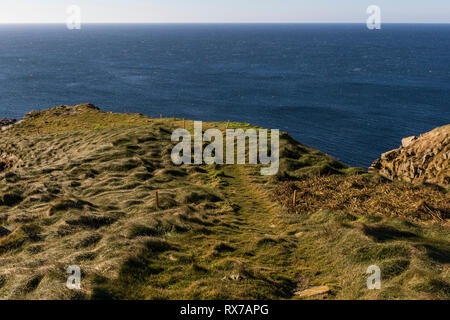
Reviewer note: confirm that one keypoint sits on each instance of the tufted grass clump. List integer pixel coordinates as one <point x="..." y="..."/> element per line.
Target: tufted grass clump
<point x="78" y="187"/>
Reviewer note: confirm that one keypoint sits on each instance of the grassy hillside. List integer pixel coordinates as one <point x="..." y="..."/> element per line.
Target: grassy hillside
<point x="78" y="185"/>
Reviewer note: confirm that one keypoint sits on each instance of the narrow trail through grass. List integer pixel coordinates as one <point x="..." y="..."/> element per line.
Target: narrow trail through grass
<point x="255" y="209"/>
<point x="79" y="186"/>
<point x="222" y="261"/>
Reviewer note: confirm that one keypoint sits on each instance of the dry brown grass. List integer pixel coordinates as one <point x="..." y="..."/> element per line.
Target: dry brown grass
<point x="81" y="190"/>
<point x="366" y="195"/>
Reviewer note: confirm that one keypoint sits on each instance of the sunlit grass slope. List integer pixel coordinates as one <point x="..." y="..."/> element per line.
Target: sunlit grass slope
<point x="78" y="185"/>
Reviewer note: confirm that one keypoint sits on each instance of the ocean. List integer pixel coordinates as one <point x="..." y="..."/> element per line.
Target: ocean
<point x="351" y="92"/>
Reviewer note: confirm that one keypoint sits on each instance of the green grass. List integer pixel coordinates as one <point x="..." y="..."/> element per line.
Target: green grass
<point x="79" y="186"/>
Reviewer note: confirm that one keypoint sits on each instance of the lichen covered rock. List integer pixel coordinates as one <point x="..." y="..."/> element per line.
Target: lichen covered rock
<point x="423" y="159"/>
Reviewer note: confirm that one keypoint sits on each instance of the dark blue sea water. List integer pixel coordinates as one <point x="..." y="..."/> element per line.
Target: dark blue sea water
<point x="346" y="90"/>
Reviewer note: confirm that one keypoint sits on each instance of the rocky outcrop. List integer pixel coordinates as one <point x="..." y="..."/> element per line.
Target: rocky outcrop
<point x="422" y="159"/>
<point x="62" y="110"/>
<point x="7" y="122"/>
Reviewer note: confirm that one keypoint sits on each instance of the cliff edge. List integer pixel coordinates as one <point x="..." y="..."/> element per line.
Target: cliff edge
<point x="422" y="159"/>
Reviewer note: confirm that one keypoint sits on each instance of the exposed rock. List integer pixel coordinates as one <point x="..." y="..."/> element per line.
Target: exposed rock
<point x="7" y="122"/>
<point x="407" y="141"/>
<point x="233" y="277"/>
<point x="313" y="291"/>
<point x="62" y="110"/>
<point x="423" y="159"/>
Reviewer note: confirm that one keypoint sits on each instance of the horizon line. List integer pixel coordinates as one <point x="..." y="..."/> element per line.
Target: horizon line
<point x="218" y="22"/>
<point x="212" y="23"/>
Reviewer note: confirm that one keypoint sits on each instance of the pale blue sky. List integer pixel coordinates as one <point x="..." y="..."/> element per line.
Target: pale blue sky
<point x="420" y="11"/>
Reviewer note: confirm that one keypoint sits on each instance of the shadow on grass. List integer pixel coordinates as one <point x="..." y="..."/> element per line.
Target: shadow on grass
<point x="385" y="233"/>
<point x="438" y="254"/>
<point x="134" y="273"/>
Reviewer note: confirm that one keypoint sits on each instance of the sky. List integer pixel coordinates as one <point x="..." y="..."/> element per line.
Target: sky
<point x="224" y="11"/>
